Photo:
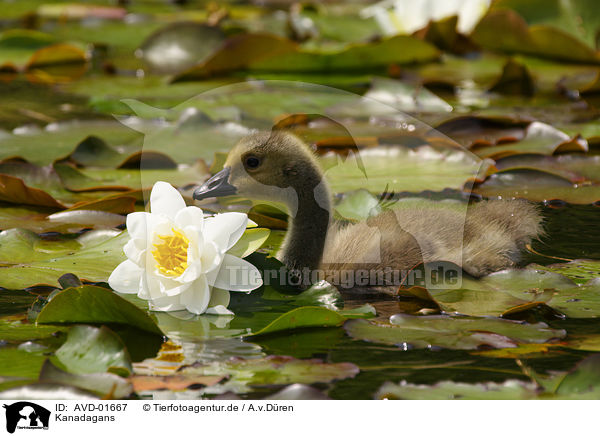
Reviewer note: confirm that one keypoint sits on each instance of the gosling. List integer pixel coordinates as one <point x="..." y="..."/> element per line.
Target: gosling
<point x="277" y="166"/>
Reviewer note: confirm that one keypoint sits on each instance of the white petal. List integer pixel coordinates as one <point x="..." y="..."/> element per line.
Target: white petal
<point x="196" y="298"/>
<point x="166" y="200"/>
<point x="170" y="287"/>
<point x="166" y="304"/>
<point x="219" y="297"/>
<point x="137" y="224"/>
<point x="126" y="278"/>
<point x="190" y="216"/>
<point x="237" y="274"/>
<point x="191" y="273"/>
<point x="134" y="254"/>
<point x="225" y="228"/>
<point x="210" y="257"/>
<point x="219" y="310"/>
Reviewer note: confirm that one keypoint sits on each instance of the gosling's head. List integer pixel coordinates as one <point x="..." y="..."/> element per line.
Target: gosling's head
<point x="274" y="166"/>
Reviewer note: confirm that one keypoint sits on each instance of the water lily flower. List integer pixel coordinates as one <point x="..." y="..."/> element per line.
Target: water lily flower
<point x="408" y="16"/>
<point x="177" y="258"/>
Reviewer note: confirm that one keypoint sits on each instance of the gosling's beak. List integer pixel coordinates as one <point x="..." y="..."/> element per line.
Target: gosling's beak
<point x="217" y="186"/>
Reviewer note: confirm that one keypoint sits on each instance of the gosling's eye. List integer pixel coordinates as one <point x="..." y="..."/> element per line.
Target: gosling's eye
<point x="252" y="162"/>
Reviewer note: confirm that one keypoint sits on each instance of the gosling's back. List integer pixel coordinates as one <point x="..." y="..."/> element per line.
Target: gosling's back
<point x="482" y="238"/>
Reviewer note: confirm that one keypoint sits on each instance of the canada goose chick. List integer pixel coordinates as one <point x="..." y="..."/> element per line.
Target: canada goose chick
<point x="278" y="166"/>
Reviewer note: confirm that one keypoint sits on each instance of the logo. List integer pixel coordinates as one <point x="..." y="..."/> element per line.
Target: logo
<point x="26" y="415"/>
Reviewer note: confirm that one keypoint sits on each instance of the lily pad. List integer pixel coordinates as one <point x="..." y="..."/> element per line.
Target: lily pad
<point x="26" y="261"/>
<point x="397" y="50"/>
<point x="180" y="45"/>
<point x="401" y="169"/>
<point x="540" y="138"/>
<point x="579" y="270"/>
<point x="303" y="317"/>
<point x="95" y="305"/>
<point x="538" y="40"/>
<point x="449" y="390"/>
<point x="510" y="291"/>
<point x="20" y="363"/>
<point x="20" y="49"/>
<point x="538" y="186"/>
<point x="56" y="141"/>
<point x="101" y="384"/>
<point x="90" y="349"/>
<point x="450" y="332"/>
<point x="273" y="370"/>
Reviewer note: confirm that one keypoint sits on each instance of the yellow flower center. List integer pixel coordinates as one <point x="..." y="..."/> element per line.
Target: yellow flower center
<point x="171" y="255"/>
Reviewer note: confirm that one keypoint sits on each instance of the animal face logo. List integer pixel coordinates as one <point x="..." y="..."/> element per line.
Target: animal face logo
<point x="24" y="414"/>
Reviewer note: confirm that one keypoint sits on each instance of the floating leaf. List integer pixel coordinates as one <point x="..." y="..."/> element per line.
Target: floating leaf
<point x="95" y="305"/>
<point x="180" y="45"/>
<point x="26" y="261"/>
<point x="579" y="270"/>
<point x="423" y="168"/>
<point x="90" y="349"/>
<point x="583" y="380"/>
<point x="515" y="79"/>
<point x="101" y="384"/>
<point x="251" y="240"/>
<point x="536" y="186"/>
<point x="449" y="390"/>
<point x="273" y="370"/>
<point x="43" y="147"/>
<point x="303" y="317"/>
<point x="15" y="362"/>
<point x="143" y="383"/>
<point x="238" y="52"/>
<point x="450" y="332"/>
<point x="378" y="55"/>
<point x="537" y="40"/>
<point x="405" y="97"/>
<point x="540" y="138"/>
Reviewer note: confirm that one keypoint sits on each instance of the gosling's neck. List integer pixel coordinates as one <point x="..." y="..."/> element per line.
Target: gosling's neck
<point x="307" y="231"/>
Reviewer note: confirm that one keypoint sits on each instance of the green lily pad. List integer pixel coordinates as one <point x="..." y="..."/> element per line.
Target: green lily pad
<point x="510" y="291"/>
<point x="540" y="138"/>
<point x="581" y="302"/>
<point x="582" y="380"/>
<point x="358" y="205"/>
<point x="251" y="240"/>
<point x="397" y="50"/>
<point x="401" y="169"/>
<point x="26" y="261"/>
<point x="405" y="97"/>
<point x="303" y="317"/>
<point x="449" y="390"/>
<point x="101" y="384"/>
<point x="579" y="270"/>
<point x="56" y="141"/>
<point x="95" y="305"/>
<point x="16" y="362"/>
<point x="538" y="40"/>
<point x="449" y="332"/>
<point x="20" y="48"/>
<point x="576" y="168"/>
<point x="536" y="186"/>
<point x="180" y="45"/>
<point x="273" y="370"/>
<point x="90" y="349"/>
<point x="105" y="179"/>
<point x="19" y="331"/>
<point x="577" y="17"/>
<point x="515" y="80"/>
